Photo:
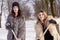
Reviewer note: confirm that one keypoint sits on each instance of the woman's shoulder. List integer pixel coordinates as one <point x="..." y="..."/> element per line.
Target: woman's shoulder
<point x="52" y="21"/>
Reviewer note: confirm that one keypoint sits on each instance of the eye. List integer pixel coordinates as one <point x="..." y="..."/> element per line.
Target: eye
<point x="40" y="14"/>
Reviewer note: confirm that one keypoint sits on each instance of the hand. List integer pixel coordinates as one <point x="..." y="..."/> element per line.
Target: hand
<point x="7" y="24"/>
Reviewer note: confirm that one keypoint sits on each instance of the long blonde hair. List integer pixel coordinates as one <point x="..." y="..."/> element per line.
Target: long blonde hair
<point x="45" y="15"/>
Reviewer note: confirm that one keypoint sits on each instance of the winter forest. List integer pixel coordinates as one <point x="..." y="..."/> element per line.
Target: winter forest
<point x="30" y="9"/>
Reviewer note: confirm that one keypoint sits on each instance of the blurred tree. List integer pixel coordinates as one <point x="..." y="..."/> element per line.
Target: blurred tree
<point x="10" y="5"/>
<point x="52" y="9"/>
<point x="37" y="6"/>
<point x="50" y="6"/>
<point x="1" y="12"/>
<point x="57" y="7"/>
<point x="46" y="3"/>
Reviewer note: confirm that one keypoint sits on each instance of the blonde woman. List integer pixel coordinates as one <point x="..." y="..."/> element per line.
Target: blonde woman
<point x="43" y="22"/>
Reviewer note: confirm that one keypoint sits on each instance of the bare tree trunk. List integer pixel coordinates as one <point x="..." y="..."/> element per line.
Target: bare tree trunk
<point x="52" y="10"/>
<point x="0" y="20"/>
<point x="46" y="3"/>
<point x="1" y="13"/>
<point x="55" y="7"/>
<point x="9" y="5"/>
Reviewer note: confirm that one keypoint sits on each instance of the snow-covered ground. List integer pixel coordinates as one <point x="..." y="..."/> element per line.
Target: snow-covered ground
<point x="30" y="30"/>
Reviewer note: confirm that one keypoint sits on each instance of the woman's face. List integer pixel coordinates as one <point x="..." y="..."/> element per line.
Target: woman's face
<point x="41" y="16"/>
<point x="15" y="9"/>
